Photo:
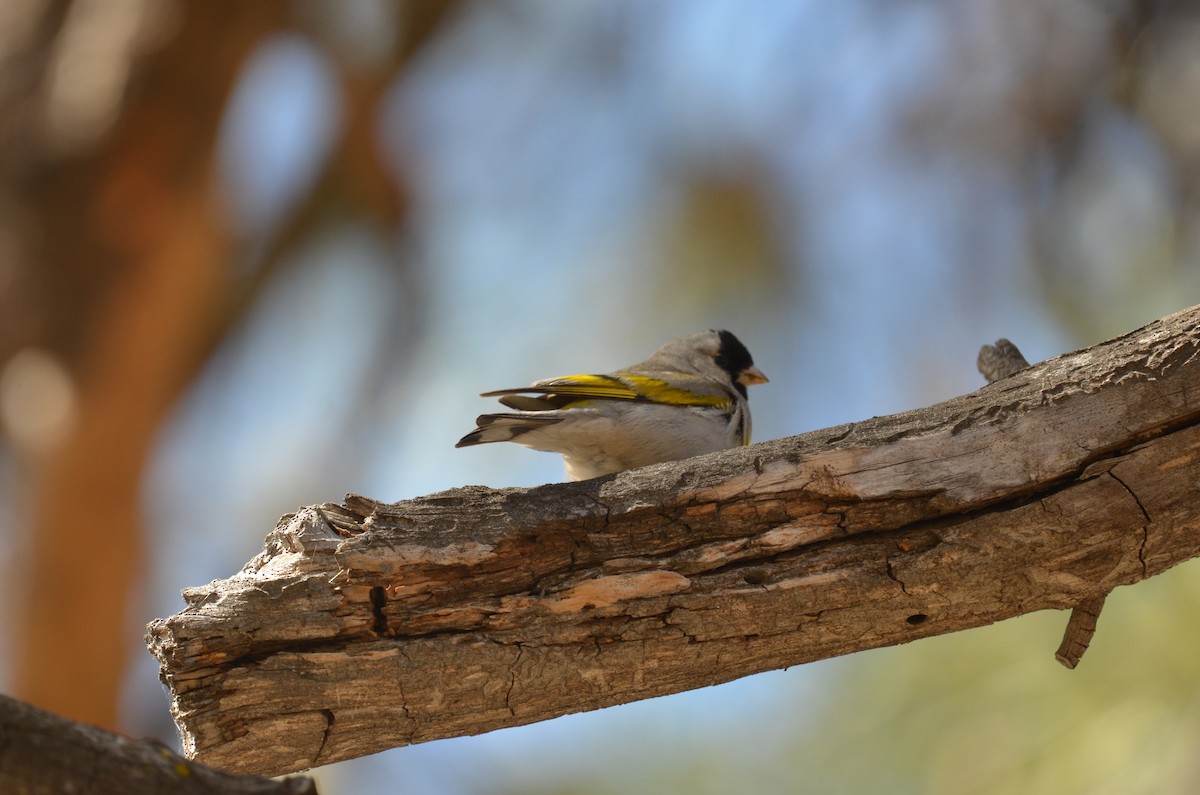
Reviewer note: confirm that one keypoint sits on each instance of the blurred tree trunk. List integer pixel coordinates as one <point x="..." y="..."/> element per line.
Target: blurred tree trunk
<point x="123" y="278"/>
<point x="131" y="257"/>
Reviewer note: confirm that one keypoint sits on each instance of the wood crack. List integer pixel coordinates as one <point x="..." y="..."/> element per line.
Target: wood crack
<point x="327" y="714"/>
<point x="379" y="624"/>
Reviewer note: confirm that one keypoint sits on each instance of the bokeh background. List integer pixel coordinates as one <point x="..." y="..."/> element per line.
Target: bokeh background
<point x="255" y="255"/>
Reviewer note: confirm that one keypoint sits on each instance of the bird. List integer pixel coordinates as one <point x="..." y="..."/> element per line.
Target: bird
<point x="687" y="399"/>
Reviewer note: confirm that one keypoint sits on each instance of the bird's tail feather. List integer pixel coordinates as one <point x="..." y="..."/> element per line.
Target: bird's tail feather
<point x="504" y="428"/>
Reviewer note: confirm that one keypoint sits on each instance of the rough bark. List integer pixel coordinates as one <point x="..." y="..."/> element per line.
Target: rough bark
<point x="1001" y="361"/>
<point x="363" y="626"/>
<point x="44" y="754"/>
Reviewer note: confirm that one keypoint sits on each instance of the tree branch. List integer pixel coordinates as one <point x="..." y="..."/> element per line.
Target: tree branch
<point x="1001" y="361"/>
<point x="42" y="754"/>
<point x="362" y="626"/>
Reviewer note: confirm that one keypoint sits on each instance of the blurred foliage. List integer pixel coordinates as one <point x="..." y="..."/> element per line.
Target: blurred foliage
<point x="989" y="711"/>
<point x="254" y="254"/>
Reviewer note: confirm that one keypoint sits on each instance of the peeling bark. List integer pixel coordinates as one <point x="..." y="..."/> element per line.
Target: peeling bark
<point x="363" y="626"/>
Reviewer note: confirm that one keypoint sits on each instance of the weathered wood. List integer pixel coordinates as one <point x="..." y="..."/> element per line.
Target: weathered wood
<point x="1080" y="629"/>
<point x="1001" y="361"/>
<point x="363" y="626"/>
<point x="45" y="754"/>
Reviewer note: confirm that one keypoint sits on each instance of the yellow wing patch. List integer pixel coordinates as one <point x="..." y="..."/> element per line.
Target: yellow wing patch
<point x="626" y="387"/>
<point x="589" y="386"/>
<point x="662" y="392"/>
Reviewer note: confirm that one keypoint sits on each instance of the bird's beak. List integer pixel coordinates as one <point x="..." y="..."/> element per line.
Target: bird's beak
<point x="751" y="376"/>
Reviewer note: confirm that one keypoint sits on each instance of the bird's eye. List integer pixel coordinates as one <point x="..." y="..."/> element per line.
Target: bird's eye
<point x="722" y="360"/>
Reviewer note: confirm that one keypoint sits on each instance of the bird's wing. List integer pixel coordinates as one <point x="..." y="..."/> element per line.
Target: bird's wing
<point x="684" y="390"/>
